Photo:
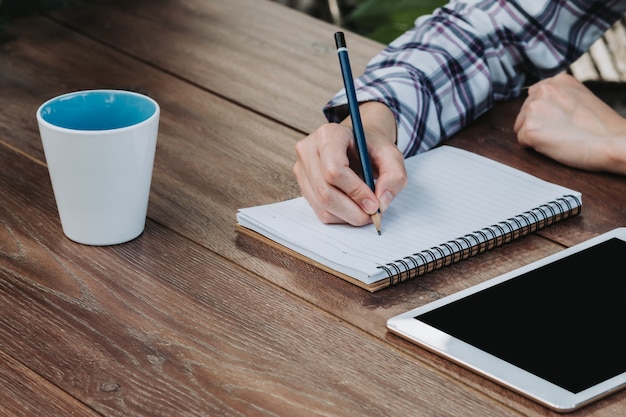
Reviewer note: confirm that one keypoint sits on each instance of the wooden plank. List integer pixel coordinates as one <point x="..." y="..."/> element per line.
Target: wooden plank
<point x="215" y="44"/>
<point x="584" y="69"/>
<point x="615" y="39"/>
<point x="604" y="61"/>
<point x="25" y="393"/>
<point x="161" y="326"/>
<point x="606" y="58"/>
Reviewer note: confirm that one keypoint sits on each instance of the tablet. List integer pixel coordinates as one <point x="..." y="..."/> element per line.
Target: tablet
<point x="553" y="331"/>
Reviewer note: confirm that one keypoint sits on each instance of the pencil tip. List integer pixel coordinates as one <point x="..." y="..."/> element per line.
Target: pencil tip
<point x="376" y="220"/>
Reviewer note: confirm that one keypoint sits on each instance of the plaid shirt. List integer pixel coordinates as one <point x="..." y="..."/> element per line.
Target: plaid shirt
<point x="454" y="64"/>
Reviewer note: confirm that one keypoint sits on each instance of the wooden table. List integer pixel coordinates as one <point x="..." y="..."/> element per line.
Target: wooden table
<point x="190" y="318"/>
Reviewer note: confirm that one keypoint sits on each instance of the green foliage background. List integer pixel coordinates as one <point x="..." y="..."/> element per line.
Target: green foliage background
<point x="385" y="20"/>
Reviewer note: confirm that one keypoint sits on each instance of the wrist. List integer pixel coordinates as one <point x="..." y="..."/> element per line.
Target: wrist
<point x="613" y="153"/>
<point x="378" y="121"/>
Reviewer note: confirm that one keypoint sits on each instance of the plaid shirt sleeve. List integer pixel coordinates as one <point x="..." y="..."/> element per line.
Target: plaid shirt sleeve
<point x="454" y="64"/>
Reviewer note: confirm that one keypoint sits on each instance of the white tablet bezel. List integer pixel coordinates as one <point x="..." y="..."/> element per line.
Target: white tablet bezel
<point x="517" y="379"/>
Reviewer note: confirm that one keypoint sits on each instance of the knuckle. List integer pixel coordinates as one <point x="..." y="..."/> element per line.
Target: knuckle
<point x="325" y="195"/>
<point x="332" y="174"/>
<point x="302" y="147"/>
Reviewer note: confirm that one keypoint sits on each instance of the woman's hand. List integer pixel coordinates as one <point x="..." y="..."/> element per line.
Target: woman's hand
<point x="327" y="168"/>
<point x="563" y="119"/>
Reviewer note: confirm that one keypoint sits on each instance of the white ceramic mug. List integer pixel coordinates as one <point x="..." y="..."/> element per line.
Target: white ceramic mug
<point x="99" y="146"/>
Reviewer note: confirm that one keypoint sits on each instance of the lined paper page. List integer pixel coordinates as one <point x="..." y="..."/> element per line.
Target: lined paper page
<point x="450" y="193"/>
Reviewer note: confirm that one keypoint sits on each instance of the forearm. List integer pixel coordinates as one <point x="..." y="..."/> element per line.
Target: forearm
<point x="456" y="63"/>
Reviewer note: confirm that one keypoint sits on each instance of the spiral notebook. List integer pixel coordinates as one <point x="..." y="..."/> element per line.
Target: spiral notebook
<point x="456" y="204"/>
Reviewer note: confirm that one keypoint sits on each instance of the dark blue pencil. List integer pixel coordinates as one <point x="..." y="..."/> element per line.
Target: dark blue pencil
<point x="355" y="115"/>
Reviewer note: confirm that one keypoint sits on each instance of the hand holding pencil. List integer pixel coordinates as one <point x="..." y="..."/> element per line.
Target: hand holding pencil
<point x="328" y="167"/>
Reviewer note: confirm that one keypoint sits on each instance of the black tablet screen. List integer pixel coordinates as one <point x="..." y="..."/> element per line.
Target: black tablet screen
<point x="565" y="322"/>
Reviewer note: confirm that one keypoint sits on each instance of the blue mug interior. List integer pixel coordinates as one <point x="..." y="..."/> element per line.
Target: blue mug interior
<point x="98" y="110"/>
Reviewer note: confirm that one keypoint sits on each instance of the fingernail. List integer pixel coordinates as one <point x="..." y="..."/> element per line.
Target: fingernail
<point x="385" y="200"/>
<point x="370" y="206"/>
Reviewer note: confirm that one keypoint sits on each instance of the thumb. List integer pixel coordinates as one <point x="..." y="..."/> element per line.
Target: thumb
<point x="392" y="177"/>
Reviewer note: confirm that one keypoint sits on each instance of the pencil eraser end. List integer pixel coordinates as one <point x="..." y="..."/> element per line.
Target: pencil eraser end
<point x="340" y="40"/>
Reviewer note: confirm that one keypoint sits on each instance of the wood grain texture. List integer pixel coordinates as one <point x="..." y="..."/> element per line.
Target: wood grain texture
<point x="24" y="394"/>
<point x="275" y="60"/>
<point x="161" y="326"/>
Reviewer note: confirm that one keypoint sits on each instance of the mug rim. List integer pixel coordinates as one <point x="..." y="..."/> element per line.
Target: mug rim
<point x="49" y="125"/>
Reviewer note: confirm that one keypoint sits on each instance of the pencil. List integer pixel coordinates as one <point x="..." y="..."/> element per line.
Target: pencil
<point x="355" y="115"/>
